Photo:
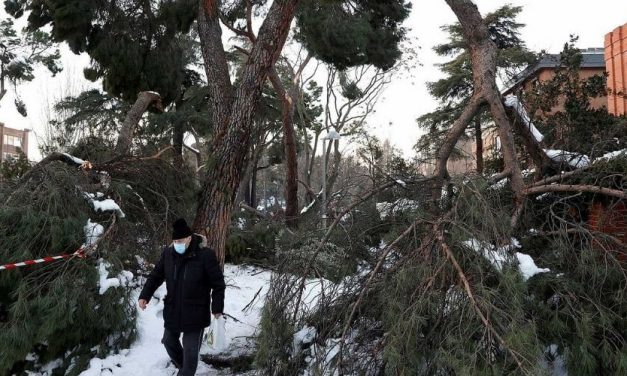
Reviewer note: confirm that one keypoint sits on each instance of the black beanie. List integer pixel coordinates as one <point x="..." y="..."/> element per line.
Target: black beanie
<point x="181" y="229"/>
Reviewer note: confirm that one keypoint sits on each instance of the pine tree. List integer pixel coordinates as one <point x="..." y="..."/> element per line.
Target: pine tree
<point x="20" y="54"/>
<point x="14" y="167"/>
<point x="456" y="88"/>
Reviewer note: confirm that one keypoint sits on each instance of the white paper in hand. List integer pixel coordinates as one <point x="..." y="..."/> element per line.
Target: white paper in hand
<point x="216" y="337"/>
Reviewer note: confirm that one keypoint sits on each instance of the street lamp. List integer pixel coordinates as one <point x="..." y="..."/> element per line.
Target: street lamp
<point x="332" y="135"/>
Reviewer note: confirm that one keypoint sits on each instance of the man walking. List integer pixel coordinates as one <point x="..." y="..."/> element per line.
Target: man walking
<point x="195" y="283"/>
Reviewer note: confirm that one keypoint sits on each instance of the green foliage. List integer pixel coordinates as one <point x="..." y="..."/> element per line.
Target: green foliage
<point x="134" y="46"/>
<point x="251" y="241"/>
<point x="97" y="115"/>
<point x="21" y="54"/>
<point x="56" y="306"/>
<point x="14" y="168"/>
<point x="350" y="33"/>
<point x="331" y="262"/>
<point x="55" y="310"/>
<point x="275" y="341"/>
<point x="418" y="303"/>
<point x="578" y="127"/>
<point x="310" y="108"/>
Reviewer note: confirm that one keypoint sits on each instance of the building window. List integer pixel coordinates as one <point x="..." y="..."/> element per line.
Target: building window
<point x="12" y="140"/>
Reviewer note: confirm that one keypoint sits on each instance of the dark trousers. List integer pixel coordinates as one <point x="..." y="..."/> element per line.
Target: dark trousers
<point x="184" y="357"/>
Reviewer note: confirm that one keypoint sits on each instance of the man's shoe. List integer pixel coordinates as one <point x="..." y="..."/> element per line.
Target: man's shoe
<point x="175" y="364"/>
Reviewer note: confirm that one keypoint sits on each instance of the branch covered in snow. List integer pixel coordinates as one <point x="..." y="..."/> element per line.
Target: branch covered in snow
<point x="104" y="205"/>
<point x="512" y="101"/>
<point x="574" y="159"/>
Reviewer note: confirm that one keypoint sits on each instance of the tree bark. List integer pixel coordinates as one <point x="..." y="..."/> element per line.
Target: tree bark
<point x="479" y="143"/>
<point x="229" y="148"/>
<point x="289" y="97"/>
<point x="451" y="138"/>
<point x="288" y="102"/>
<point x="125" y="138"/>
<point x="177" y="142"/>
<point x="216" y="66"/>
<point x="311" y="165"/>
<point x="483" y="55"/>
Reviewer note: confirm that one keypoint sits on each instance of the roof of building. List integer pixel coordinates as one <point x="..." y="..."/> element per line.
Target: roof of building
<point x="591" y="58"/>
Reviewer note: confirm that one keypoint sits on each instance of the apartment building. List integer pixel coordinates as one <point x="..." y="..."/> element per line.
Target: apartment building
<point x="12" y="140"/>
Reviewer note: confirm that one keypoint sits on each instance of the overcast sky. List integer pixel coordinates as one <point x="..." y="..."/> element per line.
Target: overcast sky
<point x="548" y="26"/>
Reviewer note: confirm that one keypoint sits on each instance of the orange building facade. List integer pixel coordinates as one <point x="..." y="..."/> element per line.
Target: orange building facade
<point x="593" y="63"/>
<point x="616" y="65"/>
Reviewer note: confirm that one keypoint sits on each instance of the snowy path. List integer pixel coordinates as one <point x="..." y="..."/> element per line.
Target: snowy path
<point x="147" y="357"/>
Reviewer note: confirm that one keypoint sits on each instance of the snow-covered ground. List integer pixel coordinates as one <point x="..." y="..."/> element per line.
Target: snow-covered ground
<point x="245" y="295"/>
<point x="147" y="356"/>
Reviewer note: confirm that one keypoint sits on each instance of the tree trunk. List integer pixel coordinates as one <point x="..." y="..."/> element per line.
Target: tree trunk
<point x="178" y="134"/>
<point x="177" y="142"/>
<point x="451" y="138"/>
<point x="230" y="146"/>
<point x="288" y="103"/>
<point x="243" y="192"/>
<point x="216" y="66"/>
<point x="3" y="91"/>
<point x="125" y="138"/>
<point x="312" y="161"/>
<point x="479" y="143"/>
<point x="291" y="168"/>
<point x="483" y="55"/>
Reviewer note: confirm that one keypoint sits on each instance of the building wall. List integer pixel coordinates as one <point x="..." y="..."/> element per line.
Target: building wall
<point x="7" y="134"/>
<point x="616" y="66"/>
<point x="584" y="73"/>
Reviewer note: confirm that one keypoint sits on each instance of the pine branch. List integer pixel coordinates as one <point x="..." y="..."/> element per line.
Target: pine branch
<point x="462" y="276"/>
<point x="575" y="188"/>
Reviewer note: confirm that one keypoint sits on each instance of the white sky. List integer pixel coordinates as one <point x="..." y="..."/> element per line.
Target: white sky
<point x="549" y="24"/>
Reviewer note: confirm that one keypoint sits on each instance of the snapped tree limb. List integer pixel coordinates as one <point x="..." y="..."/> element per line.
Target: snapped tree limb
<point x="125" y="137"/>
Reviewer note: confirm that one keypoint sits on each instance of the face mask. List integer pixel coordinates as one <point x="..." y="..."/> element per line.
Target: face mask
<point x="179" y="248"/>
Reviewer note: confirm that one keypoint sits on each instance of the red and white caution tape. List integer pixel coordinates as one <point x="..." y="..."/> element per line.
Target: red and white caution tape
<point x="79" y="253"/>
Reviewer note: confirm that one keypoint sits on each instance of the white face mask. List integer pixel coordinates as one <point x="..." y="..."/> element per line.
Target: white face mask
<point x="180" y="248"/>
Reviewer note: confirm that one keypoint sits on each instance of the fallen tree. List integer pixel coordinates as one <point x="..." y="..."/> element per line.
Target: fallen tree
<point x="117" y="213"/>
<point x="481" y="277"/>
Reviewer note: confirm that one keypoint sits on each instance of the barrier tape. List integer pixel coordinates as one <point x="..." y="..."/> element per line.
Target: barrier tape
<point x="79" y="253"/>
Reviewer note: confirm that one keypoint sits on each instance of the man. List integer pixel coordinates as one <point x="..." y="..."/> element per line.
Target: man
<point x="195" y="282"/>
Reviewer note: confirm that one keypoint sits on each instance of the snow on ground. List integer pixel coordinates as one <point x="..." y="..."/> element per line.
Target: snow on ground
<point x="147" y="356"/>
<point x="244" y="298"/>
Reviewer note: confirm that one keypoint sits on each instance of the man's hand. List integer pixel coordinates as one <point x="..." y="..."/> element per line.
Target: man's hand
<point x="142" y="304"/>
<point x="217" y="315"/>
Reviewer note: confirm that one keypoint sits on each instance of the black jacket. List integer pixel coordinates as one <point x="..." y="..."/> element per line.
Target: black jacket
<point x="194" y="281"/>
